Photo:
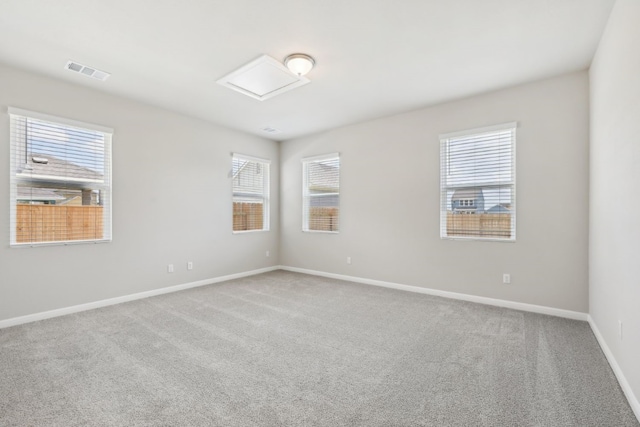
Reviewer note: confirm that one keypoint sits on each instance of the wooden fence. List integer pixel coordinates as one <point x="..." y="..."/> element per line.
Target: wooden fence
<point x="55" y="223"/>
<point x="323" y="219"/>
<point x="247" y="216"/>
<point x="483" y="225"/>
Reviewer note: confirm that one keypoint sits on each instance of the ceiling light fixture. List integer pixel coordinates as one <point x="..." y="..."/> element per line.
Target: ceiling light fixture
<point x="299" y="63"/>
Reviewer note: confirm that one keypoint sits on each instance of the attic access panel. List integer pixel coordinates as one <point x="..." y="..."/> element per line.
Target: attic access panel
<point x="262" y="78"/>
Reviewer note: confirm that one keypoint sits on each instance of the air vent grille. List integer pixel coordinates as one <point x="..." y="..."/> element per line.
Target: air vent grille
<point x="87" y="71"/>
<point x="271" y="130"/>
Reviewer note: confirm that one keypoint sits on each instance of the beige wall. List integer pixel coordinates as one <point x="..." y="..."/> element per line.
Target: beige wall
<point x="390" y="199"/>
<point x="614" y="257"/>
<point x="171" y="203"/>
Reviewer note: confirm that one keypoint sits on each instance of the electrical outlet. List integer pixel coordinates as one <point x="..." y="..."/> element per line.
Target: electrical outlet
<point x="170" y="268"/>
<point x="348" y="260"/>
<point x="506" y="278"/>
<point x="190" y="265"/>
<point x="268" y="254"/>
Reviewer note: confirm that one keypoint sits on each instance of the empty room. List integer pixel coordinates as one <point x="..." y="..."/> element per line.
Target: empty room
<point x="336" y="213"/>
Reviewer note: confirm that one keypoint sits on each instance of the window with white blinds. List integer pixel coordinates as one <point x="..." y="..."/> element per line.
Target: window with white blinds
<point x="477" y="184"/>
<point x="60" y="183"/>
<point x="250" y="193"/>
<point x="321" y="193"/>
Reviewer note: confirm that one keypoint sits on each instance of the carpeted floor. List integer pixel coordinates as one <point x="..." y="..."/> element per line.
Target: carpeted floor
<point x="287" y="349"/>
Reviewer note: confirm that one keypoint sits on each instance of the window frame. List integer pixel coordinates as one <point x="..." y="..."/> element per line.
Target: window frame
<point x="16" y="178"/>
<point x="306" y="196"/>
<point x="265" y="197"/>
<point x="444" y="188"/>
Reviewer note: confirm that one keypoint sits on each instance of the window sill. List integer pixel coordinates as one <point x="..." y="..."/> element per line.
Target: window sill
<point x="58" y="243"/>
<point x="249" y="231"/>
<point x="478" y="239"/>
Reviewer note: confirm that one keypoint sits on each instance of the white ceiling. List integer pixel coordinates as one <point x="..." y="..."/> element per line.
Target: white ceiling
<point x="373" y="57"/>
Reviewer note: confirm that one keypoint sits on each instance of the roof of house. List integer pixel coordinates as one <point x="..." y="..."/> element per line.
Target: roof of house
<point x="38" y="194"/>
<point x="500" y="208"/>
<point x="56" y="167"/>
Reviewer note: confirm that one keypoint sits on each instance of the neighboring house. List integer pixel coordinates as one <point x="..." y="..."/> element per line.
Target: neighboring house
<point x="467" y="201"/>
<point x="47" y="167"/>
<point x="46" y="179"/>
<point x="324" y="185"/>
<point x="39" y="196"/>
<point x="502" y="208"/>
<point x="248" y="181"/>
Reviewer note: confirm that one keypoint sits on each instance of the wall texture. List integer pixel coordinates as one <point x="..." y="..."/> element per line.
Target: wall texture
<point x="614" y="267"/>
<point x="171" y="203"/>
<point x="390" y="199"/>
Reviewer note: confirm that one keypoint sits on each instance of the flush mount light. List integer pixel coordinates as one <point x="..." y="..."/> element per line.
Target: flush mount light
<point x="299" y="63"/>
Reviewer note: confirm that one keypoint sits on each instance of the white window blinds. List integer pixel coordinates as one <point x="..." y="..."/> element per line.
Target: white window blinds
<point x="478" y="184"/>
<point x="250" y="193"/>
<point x="60" y="183"/>
<point x="321" y="193"/>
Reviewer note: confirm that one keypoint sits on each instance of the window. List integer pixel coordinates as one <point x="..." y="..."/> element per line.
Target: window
<point x="250" y="193"/>
<point x="477" y="184"/>
<point x="60" y="183"/>
<point x="321" y="193"/>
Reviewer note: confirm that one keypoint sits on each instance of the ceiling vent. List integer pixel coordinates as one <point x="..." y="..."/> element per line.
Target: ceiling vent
<point x="87" y="71"/>
<point x="271" y="130"/>
<point x="262" y="79"/>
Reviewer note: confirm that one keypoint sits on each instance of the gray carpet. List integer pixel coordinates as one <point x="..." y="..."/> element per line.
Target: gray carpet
<point x="286" y="349"/>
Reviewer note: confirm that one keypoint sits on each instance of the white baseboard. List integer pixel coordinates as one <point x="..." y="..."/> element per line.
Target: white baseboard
<point x="126" y="298"/>
<point x="624" y="384"/>
<point x="575" y="315"/>
<point x="454" y="295"/>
